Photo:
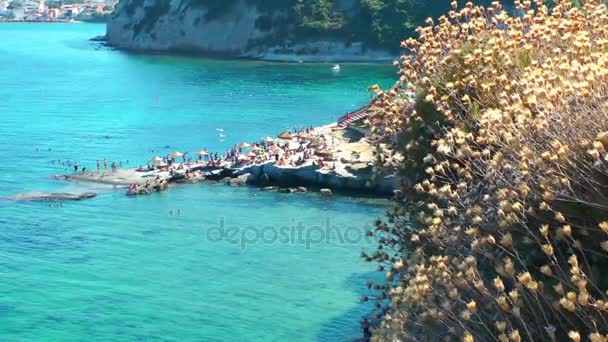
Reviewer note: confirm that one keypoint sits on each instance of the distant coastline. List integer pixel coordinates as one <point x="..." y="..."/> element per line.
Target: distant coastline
<point x="54" y="21"/>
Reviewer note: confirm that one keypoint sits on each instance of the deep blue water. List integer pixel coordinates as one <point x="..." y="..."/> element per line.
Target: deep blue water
<point x="115" y="268"/>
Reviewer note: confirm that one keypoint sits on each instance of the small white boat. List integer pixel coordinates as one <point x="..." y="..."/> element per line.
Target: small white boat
<point x="336" y="68"/>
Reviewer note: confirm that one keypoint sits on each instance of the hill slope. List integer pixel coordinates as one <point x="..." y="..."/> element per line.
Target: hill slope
<point x="270" y="29"/>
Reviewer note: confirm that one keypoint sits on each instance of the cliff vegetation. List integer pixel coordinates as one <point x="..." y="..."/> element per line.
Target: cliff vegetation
<point x="501" y="231"/>
<point x="377" y="23"/>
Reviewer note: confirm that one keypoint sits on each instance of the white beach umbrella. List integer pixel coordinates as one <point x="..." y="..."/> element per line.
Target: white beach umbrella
<point x="267" y="139"/>
<point x="176" y="154"/>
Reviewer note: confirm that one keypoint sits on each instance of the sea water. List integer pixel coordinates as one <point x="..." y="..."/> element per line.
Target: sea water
<point x="238" y="264"/>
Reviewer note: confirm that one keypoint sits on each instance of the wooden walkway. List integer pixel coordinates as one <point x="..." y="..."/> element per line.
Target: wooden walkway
<point x="354" y="116"/>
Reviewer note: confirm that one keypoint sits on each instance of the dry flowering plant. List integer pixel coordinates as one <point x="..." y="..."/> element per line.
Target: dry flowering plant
<point x="501" y="228"/>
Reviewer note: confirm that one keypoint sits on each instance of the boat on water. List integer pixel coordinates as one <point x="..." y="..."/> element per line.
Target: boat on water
<point x="336" y="68"/>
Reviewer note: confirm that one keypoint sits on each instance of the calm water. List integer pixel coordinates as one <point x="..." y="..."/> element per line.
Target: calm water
<point x="122" y="269"/>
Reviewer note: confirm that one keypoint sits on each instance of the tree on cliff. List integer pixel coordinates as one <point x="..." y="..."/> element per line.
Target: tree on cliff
<point x="318" y="15"/>
<point x="15" y="4"/>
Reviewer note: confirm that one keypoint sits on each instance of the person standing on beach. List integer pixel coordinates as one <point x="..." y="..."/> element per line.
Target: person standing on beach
<point x="105" y="164"/>
<point x="75" y="167"/>
<point x="98" y="165"/>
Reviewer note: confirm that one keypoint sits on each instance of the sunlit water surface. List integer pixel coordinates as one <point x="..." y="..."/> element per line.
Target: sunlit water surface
<point x="115" y="268"/>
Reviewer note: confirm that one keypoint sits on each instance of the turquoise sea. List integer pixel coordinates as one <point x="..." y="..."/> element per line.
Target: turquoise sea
<point x="115" y="268"/>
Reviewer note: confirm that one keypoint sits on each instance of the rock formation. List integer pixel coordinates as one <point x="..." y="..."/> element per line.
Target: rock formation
<point x="239" y="28"/>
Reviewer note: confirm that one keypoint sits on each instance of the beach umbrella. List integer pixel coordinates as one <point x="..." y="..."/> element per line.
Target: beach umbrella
<point x="277" y="150"/>
<point x="243" y="157"/>
<point x="156" y="159"/>
<point x="161" y="164"/>
<point x="202" y="153"/>
<point x="176" y="154"/>
<point x="244" y="145"/>
<point x="286" y="136"/>
<point x="267" y="139"/>
<point x="306" y="136"/>
<point x="314" y="144"/>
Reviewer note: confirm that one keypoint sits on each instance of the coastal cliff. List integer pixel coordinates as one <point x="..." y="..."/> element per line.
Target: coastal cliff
<point x="238" y="28"/>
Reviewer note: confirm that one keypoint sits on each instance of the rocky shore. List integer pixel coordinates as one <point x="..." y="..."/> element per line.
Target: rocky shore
<point x="348" y="169"/>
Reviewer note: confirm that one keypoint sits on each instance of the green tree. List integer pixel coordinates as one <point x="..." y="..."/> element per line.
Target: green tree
<point x="318" y="15"/>
<point x="16" y="4"/>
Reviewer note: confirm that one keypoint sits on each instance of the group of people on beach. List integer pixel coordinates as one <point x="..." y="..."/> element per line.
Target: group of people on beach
<point x="159" y="182"/>
<point x="282" y="153"/>
<point x="291" y="148"/>
<point x="76" y="166"/>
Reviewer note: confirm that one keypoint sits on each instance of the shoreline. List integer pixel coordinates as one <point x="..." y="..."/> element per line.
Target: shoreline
<point x="60" y="21"/>
<point x="328" y="159"/>
<point x="270" y="57"/>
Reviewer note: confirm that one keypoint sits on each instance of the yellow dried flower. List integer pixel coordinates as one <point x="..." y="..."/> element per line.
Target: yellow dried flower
<point x="574" y="336"/>
<point x="546" y="270"/>
<point x="472" y="306"/>
<point x="515" y="337"/>
<point x="567" y="230"/>
<point x="547" y="249"/>
<point x="604" y="226"/>
<point x="597" y="337"/>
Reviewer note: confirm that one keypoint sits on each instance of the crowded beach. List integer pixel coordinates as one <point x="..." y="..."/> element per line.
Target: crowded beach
<point x="329" y="150"/>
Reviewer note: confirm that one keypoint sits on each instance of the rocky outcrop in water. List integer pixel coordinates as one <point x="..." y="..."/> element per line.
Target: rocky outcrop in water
<point x="357" y="179"/>
<point x="240" y="28"/>
<point x="50" y="196"/>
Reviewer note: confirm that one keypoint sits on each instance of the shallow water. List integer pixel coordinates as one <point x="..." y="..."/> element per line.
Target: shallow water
<point x="124" y="269"/>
